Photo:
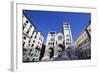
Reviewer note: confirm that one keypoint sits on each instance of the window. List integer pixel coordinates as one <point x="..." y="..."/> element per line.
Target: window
<point x="32" y="45"/>
<point x="56" y="42"/>
<point x="29" y="41"/>
<point x="28" y="45"/>
<point x="84" y="34"/>
<point x="25" y="24"/>
<point x="28" y="59"/>
<point x="30" y="50"/>
<point x="33" y="41"/>
<point x="27" y="32"/>
<point x="67" y="39"/>
<point x="23" y="43"/>
<point x="53" y="43"/>
<point x="86" y="40"/>
<point x="29" y="53"/>
<point x="27" y="21"/>
<point x="36" y="32"/>
<point x="30" y="25"/>
<point x="31" y="36"/>
<point x="25" y="50"/>
<point x="33" y="32"/>
<point x="40" y="38"/>
<point x="60" y="37"/>
<point x="63" y="42"/>
<point x="33" y="59"/>
<point x="52" y="32"/>
<point x="24" y="37"/>
<point x="67" y="43"/>
<point x="67" y="35"/>
<point x="35" y="36"/>
<point x="23" y="27"/>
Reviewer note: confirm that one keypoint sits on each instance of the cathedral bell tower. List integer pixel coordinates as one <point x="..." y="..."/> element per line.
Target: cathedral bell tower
<point x="67" y="35"/>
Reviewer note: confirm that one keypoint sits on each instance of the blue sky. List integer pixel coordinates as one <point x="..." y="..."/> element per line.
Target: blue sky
<point x="46" y="21"/>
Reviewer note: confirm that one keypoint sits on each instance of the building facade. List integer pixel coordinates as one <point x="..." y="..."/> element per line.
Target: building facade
<point x="50" y="45"/>
<point x="59" y="44"/>
<point x="28" y="28"/>
<point x="67" y="34"/>
<point x="32" y="41"/>
<point x="36" y="40"/>
<point x="82" y="44"/>
<point x="31" y="55"/>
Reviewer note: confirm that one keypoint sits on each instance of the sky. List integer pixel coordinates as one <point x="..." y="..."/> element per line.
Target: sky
<point x="46" y="21"/>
